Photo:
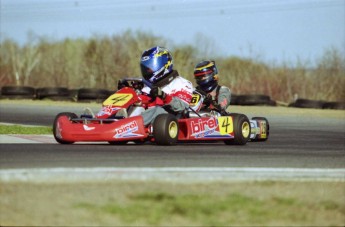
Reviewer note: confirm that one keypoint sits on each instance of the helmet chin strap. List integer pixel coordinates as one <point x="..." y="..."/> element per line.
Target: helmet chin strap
<point x="170" y="77"/>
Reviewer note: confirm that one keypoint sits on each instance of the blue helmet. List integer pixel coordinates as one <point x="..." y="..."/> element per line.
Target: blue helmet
<point x="206" y="75"/>
<point x="156" y="64"/>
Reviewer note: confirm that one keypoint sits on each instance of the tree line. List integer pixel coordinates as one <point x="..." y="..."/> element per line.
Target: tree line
<point x="100" y="61"/>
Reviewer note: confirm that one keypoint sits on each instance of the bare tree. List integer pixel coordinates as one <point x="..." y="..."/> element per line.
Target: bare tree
<point x="23" y="61"/>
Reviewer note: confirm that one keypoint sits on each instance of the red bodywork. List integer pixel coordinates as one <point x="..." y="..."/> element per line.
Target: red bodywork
<point x="102" y="128"/>
<point x="125" y="129"/>
<point x="204" y="128"/>
<point x="129" y="129"/>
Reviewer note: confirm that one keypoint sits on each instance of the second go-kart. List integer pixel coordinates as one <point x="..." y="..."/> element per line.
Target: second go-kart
<point x="113" y="126"/>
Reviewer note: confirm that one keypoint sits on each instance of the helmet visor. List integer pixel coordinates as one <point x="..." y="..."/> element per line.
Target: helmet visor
<point x="146" y="72"/>
<point x="204" y="78"/>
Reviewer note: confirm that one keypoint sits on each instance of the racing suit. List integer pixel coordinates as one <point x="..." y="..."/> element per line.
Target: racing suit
<point x="218" y="99"/>
<point x="178" y="96"/>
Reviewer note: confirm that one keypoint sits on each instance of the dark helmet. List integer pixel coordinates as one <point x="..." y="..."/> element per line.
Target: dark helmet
<point x="206" y="75"/>
<point x="156" y="64"/>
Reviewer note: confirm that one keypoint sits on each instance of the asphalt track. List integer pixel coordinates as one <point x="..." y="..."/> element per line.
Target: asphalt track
<point x="294" y="142"/>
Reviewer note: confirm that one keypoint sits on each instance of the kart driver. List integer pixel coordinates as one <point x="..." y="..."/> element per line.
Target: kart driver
<point x="165" y="90"/>
<point x="216" y="97"/>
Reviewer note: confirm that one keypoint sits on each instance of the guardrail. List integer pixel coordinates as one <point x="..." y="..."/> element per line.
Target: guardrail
<point x="99" y="95"/>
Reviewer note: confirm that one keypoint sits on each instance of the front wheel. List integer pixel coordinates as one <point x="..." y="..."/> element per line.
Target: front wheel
<point x="165" y="129"/>
<point x="57" y="128"/>
<point x="241" y="130"/>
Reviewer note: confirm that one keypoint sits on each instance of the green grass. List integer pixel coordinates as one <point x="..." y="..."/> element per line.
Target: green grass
<point x="155" y="208"/>
<point x="19" y="129"/>
<point x="146" y="203"/>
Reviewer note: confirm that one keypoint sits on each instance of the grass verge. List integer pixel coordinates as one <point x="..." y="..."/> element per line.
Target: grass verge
<point x="20" y="129"/>
<point x="142" y="203"/>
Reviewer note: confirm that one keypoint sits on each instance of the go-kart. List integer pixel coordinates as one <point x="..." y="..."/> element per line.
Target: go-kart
<point x="120" y="121"/>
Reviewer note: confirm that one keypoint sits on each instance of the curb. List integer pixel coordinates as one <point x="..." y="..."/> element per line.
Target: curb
<point x="177" y="174"/>
<point x="25" y="139"/>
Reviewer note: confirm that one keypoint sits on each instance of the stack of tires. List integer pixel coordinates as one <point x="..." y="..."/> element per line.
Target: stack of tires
<point x="252" y="100"/>
<point x="99" y="95"/>
<point x="54" y="93"/>
<point x="317" y="104"/>
<point x="18" y="92"/>
<point x="93" y="95"/>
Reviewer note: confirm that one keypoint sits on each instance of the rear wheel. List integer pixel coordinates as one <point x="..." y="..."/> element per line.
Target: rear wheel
<point x="165" y="129"/>
<point x="241" y="130"/>
<point x="56" y="128"/>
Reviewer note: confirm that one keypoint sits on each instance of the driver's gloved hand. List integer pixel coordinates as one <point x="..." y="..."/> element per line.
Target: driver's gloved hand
<point x="208" y="100"/>
<point x="157" y="92"/>
<point x="224" y="112"/>
<point x="122" y="84"/>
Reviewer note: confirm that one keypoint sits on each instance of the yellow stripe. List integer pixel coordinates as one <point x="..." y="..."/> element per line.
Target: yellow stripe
<point x="161" y="53"/>
<point x="206" y="66"/>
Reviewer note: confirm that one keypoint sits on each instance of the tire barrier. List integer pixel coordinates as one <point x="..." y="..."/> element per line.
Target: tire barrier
<point x="306" y="103"/>
<point x="334" y="105"/>
<point x="99" y="95"/>
<point x="252" y="100"/>
<point x="54" y="93"/>
<point x="18" y="92"/>
<point x="317" y="104"/>
<point x="93" y="94"/>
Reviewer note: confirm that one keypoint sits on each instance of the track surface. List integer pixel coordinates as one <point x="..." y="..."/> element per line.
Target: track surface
<point x="299" y="142"/>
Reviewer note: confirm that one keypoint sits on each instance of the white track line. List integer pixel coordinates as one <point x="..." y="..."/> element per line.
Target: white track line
<point x="170" y="174"/>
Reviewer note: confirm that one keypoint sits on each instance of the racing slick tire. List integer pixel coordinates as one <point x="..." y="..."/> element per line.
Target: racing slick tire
<point x="241" y="126"/>
<point x="267" y="129"/>
<point x="165" y="129"/>
<point x="55" y="129"/>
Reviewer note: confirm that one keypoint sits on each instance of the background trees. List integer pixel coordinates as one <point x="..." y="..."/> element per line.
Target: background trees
<point x="100" y="61"/>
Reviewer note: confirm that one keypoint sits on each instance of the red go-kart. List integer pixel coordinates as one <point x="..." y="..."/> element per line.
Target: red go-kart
<point x="113" y="126"/>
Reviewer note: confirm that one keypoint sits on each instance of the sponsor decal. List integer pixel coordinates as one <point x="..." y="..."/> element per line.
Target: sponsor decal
<point x="145" y="58"/>
<point x="205" y="134"/>
<point x="212" y="128"/>
<point x="188" y="87"/>
<point x="203" y="127"/>
<point x="127" y="130"/>
<point x="87" y="128"/>
<point x="263" y="132"/>
<point x="107" y="110"/>
<point x="183" y="94"/>
<point x="254" y="129"/>
<point x="203" y="124"/>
